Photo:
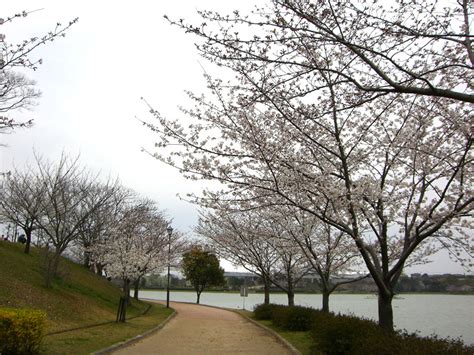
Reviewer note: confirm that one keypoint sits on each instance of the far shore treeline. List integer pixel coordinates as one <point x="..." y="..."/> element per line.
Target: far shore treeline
<point x="414" y="283"/>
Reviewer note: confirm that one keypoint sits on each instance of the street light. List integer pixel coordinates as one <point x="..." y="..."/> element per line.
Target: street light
<point x="170" y="231"/>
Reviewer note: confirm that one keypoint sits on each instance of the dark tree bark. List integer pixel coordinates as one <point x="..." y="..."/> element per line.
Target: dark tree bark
<point x="122" y="310"/>
<point x="266" y="290"/>
<point x="326" y="294"/>
<point x="28" y="240"/>
<point x="291" y="298"/>
<point x="52" y="261"/>
<point x="136" y="288"/>
<point x="126" y="291"/>
<point x="385" y="312"/>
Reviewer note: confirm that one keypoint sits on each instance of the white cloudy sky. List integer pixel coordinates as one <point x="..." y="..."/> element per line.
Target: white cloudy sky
<point x="92" y="81"/>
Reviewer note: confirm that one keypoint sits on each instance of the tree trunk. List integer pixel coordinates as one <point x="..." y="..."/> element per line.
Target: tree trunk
<point x="87" y="258"/>
<point x="266" y="290"/>
<point x="291" y="298"/>
<point x="326" y="294"/>
<point x="136" y="287"/>
<point x="385" y="312"/>
<point x="52" y="266"/>
<point x="99" y="269"/>
<point x="28" y="241"/>
<point x="126" y="291"/>
<point x="198" y="297"/>
<point x="122" y="310"/>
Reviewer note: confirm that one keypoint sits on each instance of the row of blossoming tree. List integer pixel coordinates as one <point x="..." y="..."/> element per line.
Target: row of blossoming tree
<point x="111" y="229"/>
<point x="347" y="123"/>
<point x="108" y="227"/>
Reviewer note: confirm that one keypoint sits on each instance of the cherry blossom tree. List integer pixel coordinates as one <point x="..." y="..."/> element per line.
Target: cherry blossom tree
<point x="66" y="205"/>
<point x="329" y="251"/>
<point x="235" y="237"/>
<point x="373" y="48"/>
<point x="281" y="245"/>
<point x="351" y="112"/>
<point x="21" y="197"/>
<point x="97" y="227"/>
<point x="137" y="244"/>
<point x="253" y="241"/>
<point x="291" y="264"/>
<point x="16" y="90"/>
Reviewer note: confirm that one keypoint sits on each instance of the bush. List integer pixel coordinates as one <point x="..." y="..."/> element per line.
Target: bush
<point x="345" y="334"/>
<point x="264" y="311"/>
<point x="414" y="344"/>
<point x="21" y="330"/>
<point x="294" y="318"/>
<point x="351" y="335"/>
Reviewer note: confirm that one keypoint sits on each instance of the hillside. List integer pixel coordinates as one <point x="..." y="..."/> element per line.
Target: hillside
<point x="77" y="298"/>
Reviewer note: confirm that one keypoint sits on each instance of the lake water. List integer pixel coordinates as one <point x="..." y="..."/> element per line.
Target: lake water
<point x="443" y="315"/>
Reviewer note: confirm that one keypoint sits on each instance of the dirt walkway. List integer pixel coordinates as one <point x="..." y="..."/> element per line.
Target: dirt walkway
<point x="205" y="330"/>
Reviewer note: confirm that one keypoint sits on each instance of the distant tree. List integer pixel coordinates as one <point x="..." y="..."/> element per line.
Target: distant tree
<point x="67" y="204"/>
<point x="236" y="237"/>
<point x="21" y="198"/>
<point x="16" y="90"/>
<point x="281" y="245"/>
<point x="291" y="265"/>
<point x="202" y="269"/>
<point x="97" y="228"/>
<point x="136" y="244"/>
<point x="329" y="251"/>
<point x="235" y="282"/>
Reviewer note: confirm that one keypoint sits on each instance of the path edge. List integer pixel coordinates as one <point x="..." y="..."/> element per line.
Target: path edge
<point x="135" y="339"/>
<point x="277" y="336"/>
<point x="271" y="331"/>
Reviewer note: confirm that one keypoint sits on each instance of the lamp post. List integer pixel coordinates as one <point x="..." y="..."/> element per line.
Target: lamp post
<point x="170" y="231"/>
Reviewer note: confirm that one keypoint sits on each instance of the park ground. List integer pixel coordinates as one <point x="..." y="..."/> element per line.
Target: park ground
<point x="207" y="330"/>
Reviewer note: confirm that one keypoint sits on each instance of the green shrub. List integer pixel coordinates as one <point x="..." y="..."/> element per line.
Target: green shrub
<point x="21" y="330"/>
<point x="294" y="318"/>
<point x="414" y="344"/>
<point x="264" y="311"/>
<point x="345" y="334"/>
<point x="351" y="335"/>
<point x="281" y="316"/>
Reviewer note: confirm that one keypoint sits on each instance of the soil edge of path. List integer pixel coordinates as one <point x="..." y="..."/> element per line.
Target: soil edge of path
<point x="136" y="338"/>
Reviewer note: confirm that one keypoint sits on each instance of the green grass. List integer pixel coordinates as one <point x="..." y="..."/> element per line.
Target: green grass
<point x="85" y="341"/>
<point x="300" y="340"/>
<point x="77" y="298"/>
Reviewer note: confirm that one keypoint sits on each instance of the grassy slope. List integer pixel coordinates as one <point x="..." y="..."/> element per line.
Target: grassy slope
<point x="77" y="298"/>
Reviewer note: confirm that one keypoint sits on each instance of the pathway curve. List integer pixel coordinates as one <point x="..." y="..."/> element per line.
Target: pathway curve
<point x="206" y="330"/>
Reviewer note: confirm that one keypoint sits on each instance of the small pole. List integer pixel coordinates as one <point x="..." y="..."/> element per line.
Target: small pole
<point x="170" y="231"/>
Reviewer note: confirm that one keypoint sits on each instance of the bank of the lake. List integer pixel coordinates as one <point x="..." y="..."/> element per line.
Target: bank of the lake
<point x="440" y="314"/>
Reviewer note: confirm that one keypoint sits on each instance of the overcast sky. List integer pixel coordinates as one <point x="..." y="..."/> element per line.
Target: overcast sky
<point x="92" y="81"/>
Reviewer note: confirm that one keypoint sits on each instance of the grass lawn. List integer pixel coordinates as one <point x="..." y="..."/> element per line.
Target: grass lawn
<point x="300" y="340"/>
<point x="77" y="298"/>
<point x="85" y="341"/>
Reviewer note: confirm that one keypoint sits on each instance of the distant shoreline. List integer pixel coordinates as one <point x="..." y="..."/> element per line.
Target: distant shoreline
<point x="467" y="293"/>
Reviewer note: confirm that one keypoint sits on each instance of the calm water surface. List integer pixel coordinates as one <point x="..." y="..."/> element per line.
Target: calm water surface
<point x="443" y="315"/>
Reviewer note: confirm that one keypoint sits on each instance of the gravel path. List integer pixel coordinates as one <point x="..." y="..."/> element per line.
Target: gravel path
<point x="205" y="330"/>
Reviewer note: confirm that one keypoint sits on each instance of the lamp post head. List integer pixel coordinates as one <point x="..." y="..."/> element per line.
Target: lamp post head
<point x="169" y="230"/>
